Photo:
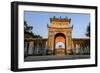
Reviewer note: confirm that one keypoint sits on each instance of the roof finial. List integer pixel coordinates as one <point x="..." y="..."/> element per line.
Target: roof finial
<point x="66" y="17"/>
<point x="72" y="26"/>
<point x="60" y="17"/>
<point x="47" y="25"/>
<point x="54" y="16"/>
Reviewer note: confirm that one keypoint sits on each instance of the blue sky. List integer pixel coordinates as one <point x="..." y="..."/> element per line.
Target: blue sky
<point x="39" y="21"/>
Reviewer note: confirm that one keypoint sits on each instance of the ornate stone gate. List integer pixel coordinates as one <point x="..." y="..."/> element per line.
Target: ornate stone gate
<point x="60" y="31"/>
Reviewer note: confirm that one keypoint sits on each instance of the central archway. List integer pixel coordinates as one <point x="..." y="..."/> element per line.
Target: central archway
<point x="59" y="44"/>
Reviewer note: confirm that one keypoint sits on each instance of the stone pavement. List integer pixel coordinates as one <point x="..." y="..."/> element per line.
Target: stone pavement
<point x="57" y="57"/>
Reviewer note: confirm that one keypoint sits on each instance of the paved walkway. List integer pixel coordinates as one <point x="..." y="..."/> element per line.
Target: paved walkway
<point x="46" y="58"/>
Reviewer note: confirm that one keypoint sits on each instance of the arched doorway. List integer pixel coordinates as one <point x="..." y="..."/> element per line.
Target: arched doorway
<point x="59" y="44"/>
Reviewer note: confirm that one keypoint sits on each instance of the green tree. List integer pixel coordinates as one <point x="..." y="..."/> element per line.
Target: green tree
<point x="28" y="31"/>
<point x="27" y="28"/>
<point x="87" y="43"/>
<point x="88" y="30"/>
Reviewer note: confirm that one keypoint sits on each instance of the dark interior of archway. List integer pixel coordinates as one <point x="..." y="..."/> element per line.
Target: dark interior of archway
<point x="60" y="34"/>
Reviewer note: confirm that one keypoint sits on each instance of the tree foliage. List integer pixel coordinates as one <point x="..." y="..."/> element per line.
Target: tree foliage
<point x="27" y="28"/>
<point x="28" y="31"/>
<point x="88" y="30"/>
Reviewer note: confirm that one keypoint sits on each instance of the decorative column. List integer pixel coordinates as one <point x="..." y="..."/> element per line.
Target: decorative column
<point x="26" y="49"/>
<point x="30" y="49"/>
